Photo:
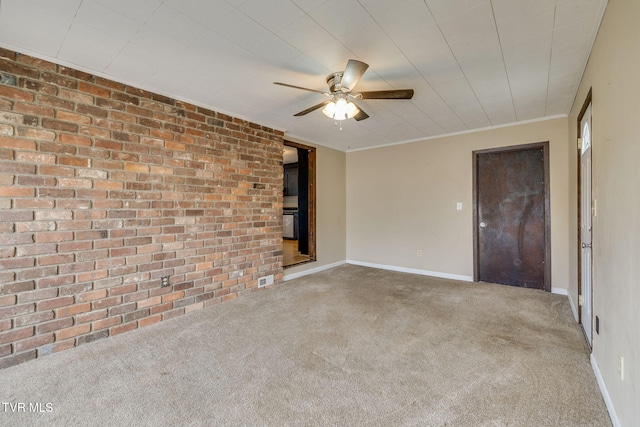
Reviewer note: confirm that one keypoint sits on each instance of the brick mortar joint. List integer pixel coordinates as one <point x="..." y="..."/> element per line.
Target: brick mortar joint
<point x="256" y="140"/>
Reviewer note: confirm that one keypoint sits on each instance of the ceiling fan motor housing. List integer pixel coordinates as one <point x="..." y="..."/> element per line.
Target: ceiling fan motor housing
<point x="341" y="83"/>
<point x="334" y="80"/>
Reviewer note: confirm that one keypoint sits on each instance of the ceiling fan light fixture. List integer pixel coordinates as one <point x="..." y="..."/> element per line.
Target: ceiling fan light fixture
<point x="329" y="109"/>
<point x="340" y="109"/>
<point x="341" y="85"/>
<point x="352" y="110"/>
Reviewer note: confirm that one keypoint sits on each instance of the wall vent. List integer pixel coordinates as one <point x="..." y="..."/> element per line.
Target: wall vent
<point x="265" y="281"/>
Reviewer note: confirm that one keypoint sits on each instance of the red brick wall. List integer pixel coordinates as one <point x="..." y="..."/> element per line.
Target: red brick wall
<point x="105" y="189"/>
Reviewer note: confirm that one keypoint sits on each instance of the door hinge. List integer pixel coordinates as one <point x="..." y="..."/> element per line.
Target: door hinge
<point x="579" y="143"/>
<point x="580" y="300"/>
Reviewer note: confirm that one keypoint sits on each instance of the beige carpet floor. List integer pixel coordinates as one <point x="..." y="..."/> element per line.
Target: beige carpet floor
<point x="351" y="346"/>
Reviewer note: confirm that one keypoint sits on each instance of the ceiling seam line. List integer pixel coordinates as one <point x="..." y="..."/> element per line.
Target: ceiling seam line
<point x="425" y="78"/>
<point x="144" y="24"/>
<point x="137" y="32"/>
<point x="280" y="37"/>
<point x="451" y="51"/>
<point x="274" y="33"/>
<point x="329" y="33"/>
<point x="504" y="62"/>
<point x="414" y="67"/>
<point x="553" y="33"/>
<point x="69" y="28"/>
<point x="475" y="95"/>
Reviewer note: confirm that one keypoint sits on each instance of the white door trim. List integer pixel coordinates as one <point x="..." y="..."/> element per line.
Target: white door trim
<point x="585" y="197"/>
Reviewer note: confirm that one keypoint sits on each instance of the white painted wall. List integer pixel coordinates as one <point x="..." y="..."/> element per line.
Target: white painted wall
<point x="613" y="73"/>
<point x="402" y="198"/>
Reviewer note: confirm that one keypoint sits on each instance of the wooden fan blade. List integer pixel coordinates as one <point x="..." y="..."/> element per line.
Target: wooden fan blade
<point x="352" y="73"/>
<point x="314" y="108"/>
<point x="385" y="94"/>
<point x="299" y="87"/>
<point x="361" y="114"/>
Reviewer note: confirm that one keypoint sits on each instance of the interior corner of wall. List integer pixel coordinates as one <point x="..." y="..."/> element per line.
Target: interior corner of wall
<point x="574" y="309"/>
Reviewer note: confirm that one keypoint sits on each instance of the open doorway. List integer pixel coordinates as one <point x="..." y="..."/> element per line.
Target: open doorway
<point x="299" y="204"/>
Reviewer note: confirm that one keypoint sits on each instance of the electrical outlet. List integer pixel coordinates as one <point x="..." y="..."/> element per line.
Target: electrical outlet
<point x="621" y="367"/>
<point x="459" y="206"/>
<point x="419" y="253"/>
<point x="164" y="281"/>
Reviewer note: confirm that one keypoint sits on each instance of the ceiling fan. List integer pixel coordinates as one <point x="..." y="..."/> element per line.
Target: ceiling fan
<point x="341" y="84"/>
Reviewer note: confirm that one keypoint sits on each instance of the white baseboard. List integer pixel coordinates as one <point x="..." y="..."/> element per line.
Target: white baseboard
<point x="563" y="291"/>
<point x="298" y="274"/>
<point x="559" y="291"/>
<point x="573" y="308"/>
<point x="412" y="271"/>
<point x="605" y="393"/>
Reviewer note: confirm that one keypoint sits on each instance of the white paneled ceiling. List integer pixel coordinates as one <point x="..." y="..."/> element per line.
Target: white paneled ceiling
<point x="472" y="63"/>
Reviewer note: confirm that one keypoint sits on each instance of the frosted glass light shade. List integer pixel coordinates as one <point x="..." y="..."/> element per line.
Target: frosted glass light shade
<point x="340" y="109"/>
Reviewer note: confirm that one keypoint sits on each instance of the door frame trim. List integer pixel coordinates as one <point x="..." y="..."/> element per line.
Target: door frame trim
<point x="312" y="197"/>
<point x="588" y="100"/>
<point x="547" y="206"/>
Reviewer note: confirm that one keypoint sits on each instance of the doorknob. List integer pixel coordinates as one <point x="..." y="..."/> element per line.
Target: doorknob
<point x="483" y="224"/>
<point x="585" y="245"/>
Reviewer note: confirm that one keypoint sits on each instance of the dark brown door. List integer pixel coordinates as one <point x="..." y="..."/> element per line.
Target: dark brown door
<point x="511" y="224"/>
